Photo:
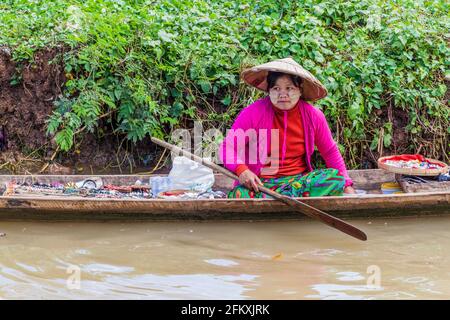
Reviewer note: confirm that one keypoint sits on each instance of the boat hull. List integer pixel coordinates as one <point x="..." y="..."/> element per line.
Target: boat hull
<point x="360" y="206"/>
<point x="221" y="209"/>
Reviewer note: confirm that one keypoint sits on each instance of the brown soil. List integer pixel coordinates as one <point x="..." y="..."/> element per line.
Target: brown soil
<point x="25" y="107"/>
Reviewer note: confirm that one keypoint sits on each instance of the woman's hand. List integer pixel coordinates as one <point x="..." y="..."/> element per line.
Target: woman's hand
<point x="250" y="180"/>
<point x="349" y="189"/>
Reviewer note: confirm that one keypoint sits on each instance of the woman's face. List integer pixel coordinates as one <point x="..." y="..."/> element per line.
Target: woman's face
<point x="284" y="94"/>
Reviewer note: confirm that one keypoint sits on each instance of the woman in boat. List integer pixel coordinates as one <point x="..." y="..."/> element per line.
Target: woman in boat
<point x="271" y="141"/>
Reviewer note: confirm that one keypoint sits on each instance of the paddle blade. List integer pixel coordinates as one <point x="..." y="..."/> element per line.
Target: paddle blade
<point x="333" y="222"/>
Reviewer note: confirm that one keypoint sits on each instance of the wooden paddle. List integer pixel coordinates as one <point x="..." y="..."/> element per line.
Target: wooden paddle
<point x="294" y="203"/>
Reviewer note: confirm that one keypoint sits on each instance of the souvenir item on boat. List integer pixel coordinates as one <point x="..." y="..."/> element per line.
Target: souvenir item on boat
<point x="444" y="177"/>
<point x="91" y="183"/>
<point x="391" y="188"/>
<point x="186" y="195"/>
<point x="72" y="189"/>
<point x="425" y="183"/>
<point x="412" y="164"/>
<point x="94" y="188"/>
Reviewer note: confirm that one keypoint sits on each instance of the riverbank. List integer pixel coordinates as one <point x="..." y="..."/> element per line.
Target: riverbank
<point x="85" y="83"/>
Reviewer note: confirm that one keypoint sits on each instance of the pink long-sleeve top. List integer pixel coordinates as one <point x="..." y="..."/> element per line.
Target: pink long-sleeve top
<point x="249" y="139"/>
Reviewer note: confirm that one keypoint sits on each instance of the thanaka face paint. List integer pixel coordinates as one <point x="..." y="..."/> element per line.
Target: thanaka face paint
<point x="284" y="94"/>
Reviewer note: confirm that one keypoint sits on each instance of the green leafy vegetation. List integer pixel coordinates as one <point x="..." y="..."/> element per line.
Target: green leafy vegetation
<point x="147" y="67"/>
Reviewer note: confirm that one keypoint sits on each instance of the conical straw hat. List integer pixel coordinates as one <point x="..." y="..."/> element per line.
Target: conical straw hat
<point x="257" y="77"/>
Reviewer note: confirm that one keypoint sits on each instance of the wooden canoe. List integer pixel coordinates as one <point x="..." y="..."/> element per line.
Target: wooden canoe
<point x="370" y="205"/>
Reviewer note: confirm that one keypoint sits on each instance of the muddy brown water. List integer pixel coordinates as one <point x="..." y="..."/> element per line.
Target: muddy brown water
<point x="403" y="259"/>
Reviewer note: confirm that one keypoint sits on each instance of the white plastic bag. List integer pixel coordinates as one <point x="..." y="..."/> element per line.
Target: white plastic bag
<point x="187" y="174"/>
